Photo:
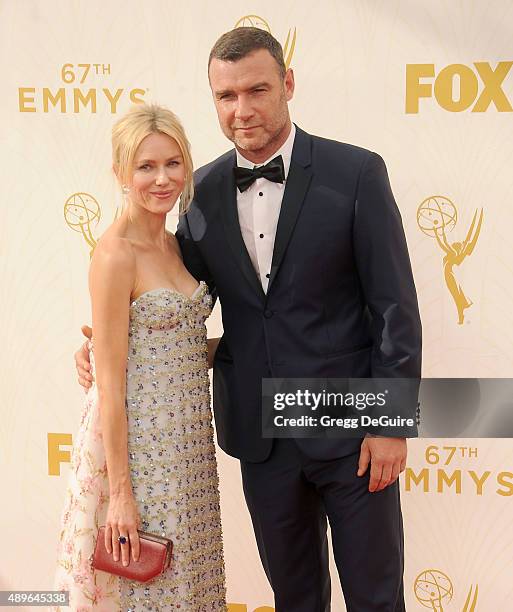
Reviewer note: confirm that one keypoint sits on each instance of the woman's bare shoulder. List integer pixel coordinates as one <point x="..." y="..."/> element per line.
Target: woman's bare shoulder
<point x="114" y="249"/>
<point x="114" y="255"/>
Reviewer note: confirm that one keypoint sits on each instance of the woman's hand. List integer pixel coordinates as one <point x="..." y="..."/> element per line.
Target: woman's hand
<point x="122" y="520"/>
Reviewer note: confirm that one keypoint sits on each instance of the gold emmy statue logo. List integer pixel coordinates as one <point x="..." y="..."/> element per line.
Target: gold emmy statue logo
<point x="81" y="210"/>
<point x="433" y="589"/>
<point x="436" y="217"/>
<point x="259" y="22"/>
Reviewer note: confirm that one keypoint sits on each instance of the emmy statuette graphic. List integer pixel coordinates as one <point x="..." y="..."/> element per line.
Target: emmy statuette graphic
<point x="81" y="210"/>
<point x="436" y="217"/>
<point x="434" y="590"/>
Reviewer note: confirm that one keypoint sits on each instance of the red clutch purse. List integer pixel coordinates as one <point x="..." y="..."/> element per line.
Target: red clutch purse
<point x="154" y="558"/>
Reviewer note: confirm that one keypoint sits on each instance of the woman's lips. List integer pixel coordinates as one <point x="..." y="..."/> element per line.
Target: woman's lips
<point x="161" y="195"/>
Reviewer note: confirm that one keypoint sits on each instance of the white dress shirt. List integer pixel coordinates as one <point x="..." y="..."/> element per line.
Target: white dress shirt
<point x="259" y="208"/>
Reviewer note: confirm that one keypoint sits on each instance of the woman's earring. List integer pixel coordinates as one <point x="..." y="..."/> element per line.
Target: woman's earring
<point x="125" y="189"/>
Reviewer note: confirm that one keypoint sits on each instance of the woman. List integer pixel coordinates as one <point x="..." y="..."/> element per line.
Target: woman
<point x="144" y="456"/>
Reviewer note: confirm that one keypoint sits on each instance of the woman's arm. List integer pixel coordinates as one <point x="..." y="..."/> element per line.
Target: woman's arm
<point x="111" y="280"/>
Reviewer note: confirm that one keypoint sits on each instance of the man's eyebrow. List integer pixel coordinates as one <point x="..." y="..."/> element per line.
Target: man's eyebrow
<point x="223" y="92"/>
<point x="258" y="85"/>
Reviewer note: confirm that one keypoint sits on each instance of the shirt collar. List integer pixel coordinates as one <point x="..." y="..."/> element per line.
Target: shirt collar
<point x="285" y="151"/>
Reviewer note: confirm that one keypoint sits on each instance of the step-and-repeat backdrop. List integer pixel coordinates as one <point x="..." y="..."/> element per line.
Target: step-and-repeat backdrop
<point x="427" y="84"/>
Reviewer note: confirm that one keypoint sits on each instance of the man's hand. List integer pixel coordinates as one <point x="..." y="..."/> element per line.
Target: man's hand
<point x="82" y="361"/>
<point x="387" y="457"/>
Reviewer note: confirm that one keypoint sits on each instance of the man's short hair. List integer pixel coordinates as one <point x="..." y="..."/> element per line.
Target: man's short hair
<point x="240" y="42"/>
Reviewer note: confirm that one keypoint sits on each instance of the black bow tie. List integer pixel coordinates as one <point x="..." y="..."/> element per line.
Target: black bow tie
<point x="273" y="171"/>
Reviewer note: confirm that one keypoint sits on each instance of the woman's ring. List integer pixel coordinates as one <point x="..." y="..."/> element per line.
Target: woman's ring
<point x="122" y="540"/>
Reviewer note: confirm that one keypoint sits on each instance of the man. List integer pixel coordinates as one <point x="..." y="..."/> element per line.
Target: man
<point x="308" y="258"/>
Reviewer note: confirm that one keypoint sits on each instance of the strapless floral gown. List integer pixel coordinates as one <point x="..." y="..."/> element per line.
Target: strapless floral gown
<point x="172" y="465"/>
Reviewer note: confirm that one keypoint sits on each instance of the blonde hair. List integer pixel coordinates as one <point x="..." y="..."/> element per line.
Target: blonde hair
<point x="130" y="130"/>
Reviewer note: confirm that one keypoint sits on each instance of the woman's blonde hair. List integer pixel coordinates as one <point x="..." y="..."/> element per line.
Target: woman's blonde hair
<point x="130" y="130"/>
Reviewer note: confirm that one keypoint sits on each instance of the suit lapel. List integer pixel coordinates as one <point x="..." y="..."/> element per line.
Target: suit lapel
<point x="296" y="187"/>
<point x="230" y="216"/>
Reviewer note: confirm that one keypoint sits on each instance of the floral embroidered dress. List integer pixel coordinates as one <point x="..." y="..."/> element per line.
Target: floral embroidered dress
<point x="172" y="465"/>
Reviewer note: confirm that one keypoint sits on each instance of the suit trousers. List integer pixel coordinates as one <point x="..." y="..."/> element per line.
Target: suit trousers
<point x="291" y="497"/>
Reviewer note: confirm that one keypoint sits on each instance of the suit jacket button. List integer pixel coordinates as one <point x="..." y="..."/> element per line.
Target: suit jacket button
<point x="268" y="314"/>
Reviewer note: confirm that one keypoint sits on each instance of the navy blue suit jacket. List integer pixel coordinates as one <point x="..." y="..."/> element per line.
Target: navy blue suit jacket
<point x="341" y="300"/>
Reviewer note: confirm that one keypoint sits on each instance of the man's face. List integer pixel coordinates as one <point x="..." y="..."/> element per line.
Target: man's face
<point x="251" y="100"/>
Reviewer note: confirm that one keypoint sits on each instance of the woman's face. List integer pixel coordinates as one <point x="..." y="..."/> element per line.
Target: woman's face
<point x="158" y="173"/>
